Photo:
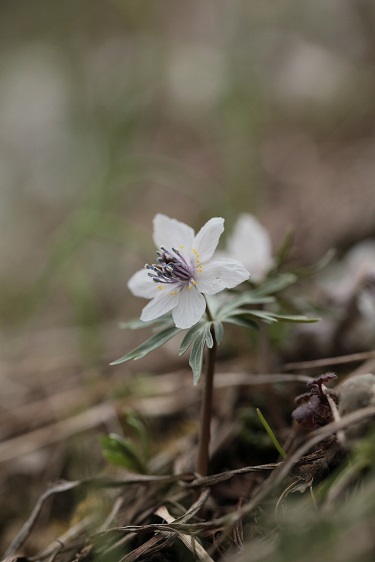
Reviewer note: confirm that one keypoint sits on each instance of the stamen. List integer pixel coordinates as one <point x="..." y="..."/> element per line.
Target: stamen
<point x="171" y="269"/>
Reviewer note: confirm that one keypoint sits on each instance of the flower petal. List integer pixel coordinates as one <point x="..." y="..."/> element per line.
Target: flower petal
<point x="207" y="238"/>
<point x="165" y="301"/>
<point x="190" y="308"/>
<point x="172" y="233"/>
<point x="219" y="274"/>
<point x="251" y="244"/>
<point x="141" y="285"/>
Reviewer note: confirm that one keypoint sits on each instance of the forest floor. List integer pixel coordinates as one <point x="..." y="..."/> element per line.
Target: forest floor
<point x="61" y="500"/>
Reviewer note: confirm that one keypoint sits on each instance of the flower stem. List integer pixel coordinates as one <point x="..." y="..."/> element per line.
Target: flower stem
<point x="206" y="407"/>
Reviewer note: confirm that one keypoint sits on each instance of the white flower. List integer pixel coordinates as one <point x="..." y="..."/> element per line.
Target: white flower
<point x="185" y="271"/>
<point x="251" y="243"/>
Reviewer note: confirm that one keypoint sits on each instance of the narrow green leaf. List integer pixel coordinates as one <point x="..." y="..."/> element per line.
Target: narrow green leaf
<point x="152" y="343"/>
<point x="196" y="356"/>
<point x="137" y="324"/>
<point x="208" y="336"/>
<point x="120" y="451"/>
<point x="316" y="267"/>
<point x="271" y="433"/>
<point x="264" y="316"/>
<point x="189" y="337"/>
<point x="157" y="340"/>
<point x="275" y="285"/>
<point x="219" y="332"/>
<point x="297" y="318"/>
<point x="136" y="423"/>
<point x="285" y="247"/>
<point x="242" y="321"/>
<point x="240" y="312"/>
<point x="134" y="324"/>
<point x="244" y="299"/>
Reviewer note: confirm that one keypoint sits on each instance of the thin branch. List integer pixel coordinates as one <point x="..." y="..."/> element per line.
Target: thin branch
<point x="340" y="360"/>
<point x="59" y="544"/>
<point x="192" y="544"/>
<point x="212" y="480"/>
<point x="28" y="526"/>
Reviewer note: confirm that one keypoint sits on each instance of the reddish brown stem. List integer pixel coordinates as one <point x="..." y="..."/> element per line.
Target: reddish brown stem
<point x="206" y="410"/>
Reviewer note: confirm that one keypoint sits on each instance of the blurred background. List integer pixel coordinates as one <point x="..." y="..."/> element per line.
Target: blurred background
<point x="112" y="111"/>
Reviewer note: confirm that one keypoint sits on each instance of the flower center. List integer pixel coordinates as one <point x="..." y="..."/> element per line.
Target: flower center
<point x="171" y="267"/>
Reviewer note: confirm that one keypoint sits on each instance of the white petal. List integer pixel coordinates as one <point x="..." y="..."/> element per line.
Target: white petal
<point x="220" y="274"/>
<point x="207" y="238"/>
<point x="172" y="233"/>
<point x="141" y="285"/>
<point x="190" y="308"/>
<point x="162" y="303"/>
<point x="251" y="244"/>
